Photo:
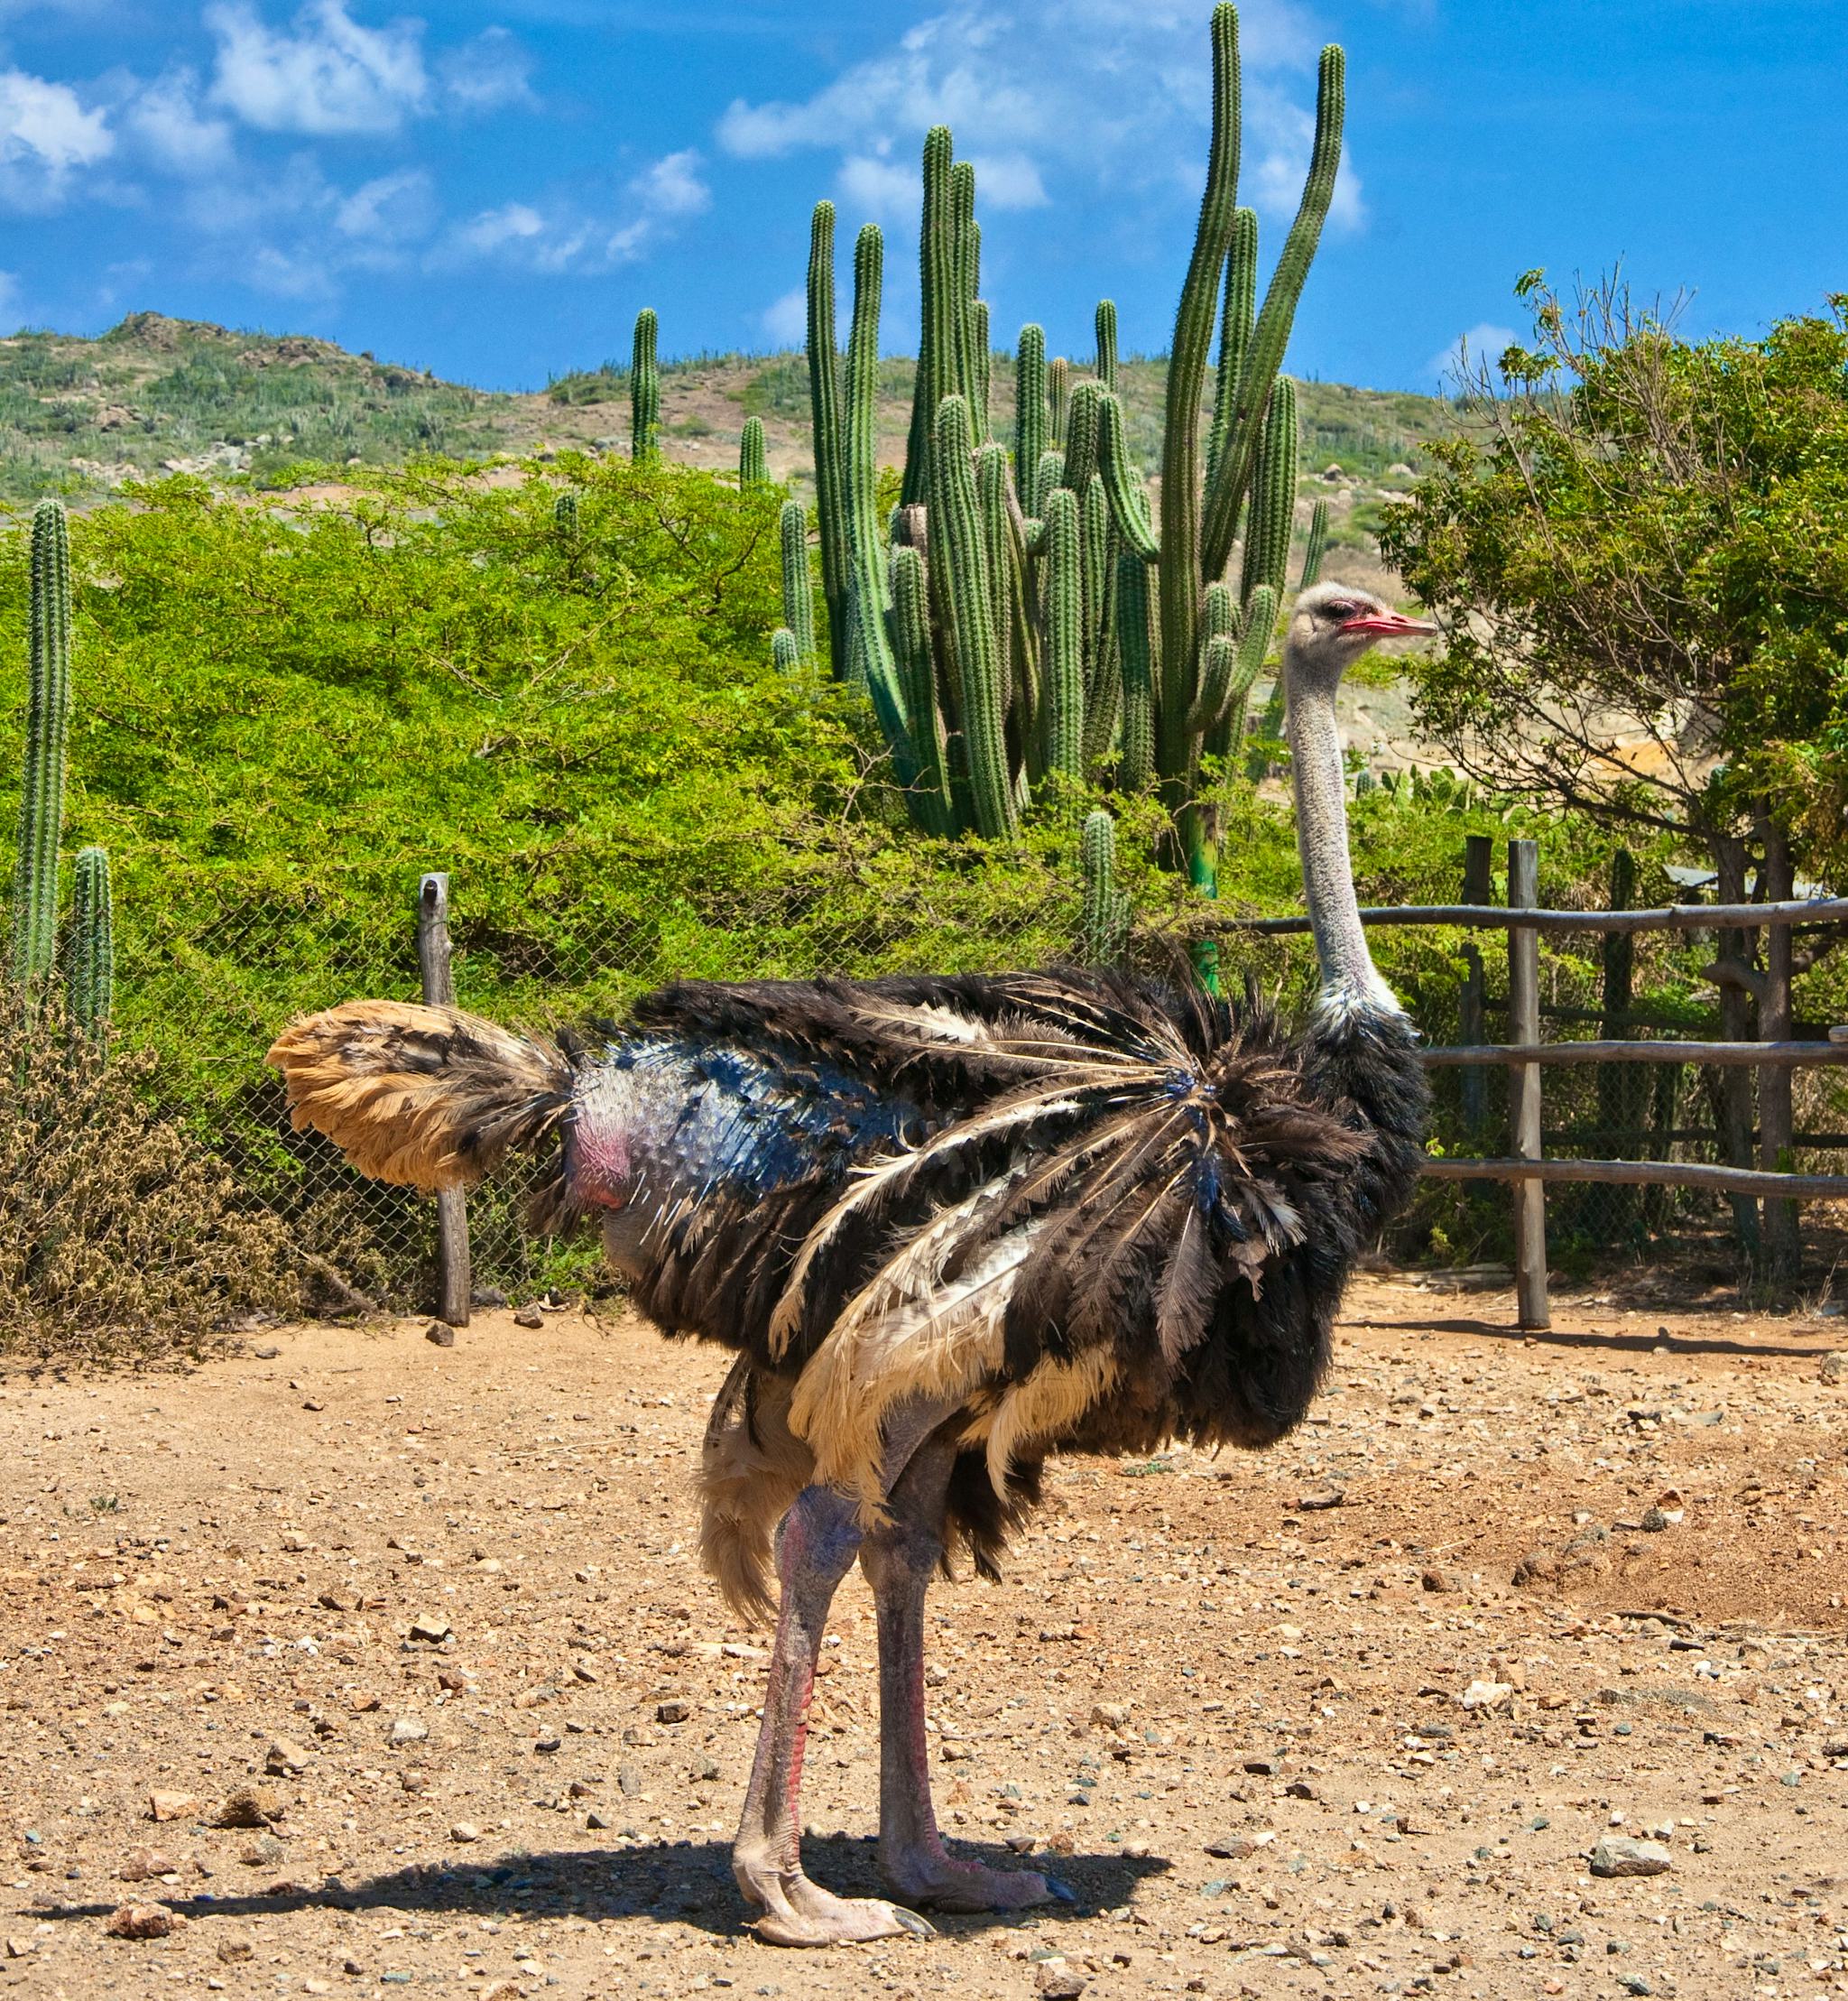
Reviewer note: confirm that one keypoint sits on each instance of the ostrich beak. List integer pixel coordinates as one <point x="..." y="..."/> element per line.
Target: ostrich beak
<point x="1391" y="624"/>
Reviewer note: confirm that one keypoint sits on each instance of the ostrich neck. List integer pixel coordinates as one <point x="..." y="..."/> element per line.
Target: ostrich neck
<point x="1350" y="980"/>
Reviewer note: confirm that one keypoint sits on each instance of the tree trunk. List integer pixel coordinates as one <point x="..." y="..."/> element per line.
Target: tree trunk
<point x="1733" y="1089"/>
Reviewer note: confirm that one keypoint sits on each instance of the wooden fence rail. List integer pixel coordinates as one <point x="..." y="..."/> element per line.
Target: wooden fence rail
<point x="1525" y="1055"/>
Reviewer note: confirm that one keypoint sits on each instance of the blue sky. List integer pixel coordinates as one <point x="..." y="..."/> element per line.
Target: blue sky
<point x="492" y="188"/>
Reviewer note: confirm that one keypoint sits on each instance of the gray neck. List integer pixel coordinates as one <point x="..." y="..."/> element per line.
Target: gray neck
<point x="1350" y="980"/>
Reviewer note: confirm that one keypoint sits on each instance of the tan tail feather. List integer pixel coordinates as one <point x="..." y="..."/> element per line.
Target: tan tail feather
<point x="427" y="1097"/>
<point x="749" y="1473"/>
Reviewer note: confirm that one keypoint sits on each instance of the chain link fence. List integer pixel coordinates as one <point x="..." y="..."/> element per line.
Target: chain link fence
<point x="206" y="988"/>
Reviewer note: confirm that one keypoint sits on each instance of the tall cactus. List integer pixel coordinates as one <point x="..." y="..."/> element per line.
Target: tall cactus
<point x="565" y="517"/>
<point x="644" y="390"/>
<point x="90" y="954"/>
<point x="799" y="595"/>
<point x="752" y="469"/>
<point x="1018" y="619"/>
<point x="48" y="731"/>
<point x="1317" y="546"/>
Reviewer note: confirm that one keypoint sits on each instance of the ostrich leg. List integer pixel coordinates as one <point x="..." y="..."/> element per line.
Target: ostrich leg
<point x="899" y="1559"/>
<point x="816" y="1545"/>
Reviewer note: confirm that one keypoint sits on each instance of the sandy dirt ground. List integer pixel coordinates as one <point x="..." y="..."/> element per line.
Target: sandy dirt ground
<point x="1350" y="1717"/>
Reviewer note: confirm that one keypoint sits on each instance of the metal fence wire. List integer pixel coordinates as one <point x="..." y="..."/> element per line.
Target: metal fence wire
<point x="208" y="988"/>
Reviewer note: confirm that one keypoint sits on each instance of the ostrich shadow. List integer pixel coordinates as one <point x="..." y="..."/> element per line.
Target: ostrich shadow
<point x="688" y="1883"/>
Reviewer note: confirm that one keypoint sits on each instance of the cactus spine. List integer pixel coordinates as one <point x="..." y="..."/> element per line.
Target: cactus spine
<point x="752" y="470"/>
<point x="644" y="390"/>
<point x="1106" y="912"/>
<point x="799" y="595"/>
<point x="48" y="732"/>
<point x="90" y="956"/>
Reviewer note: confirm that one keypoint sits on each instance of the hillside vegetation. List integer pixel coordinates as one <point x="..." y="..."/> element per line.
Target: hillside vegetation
<point x="154" y="395"/>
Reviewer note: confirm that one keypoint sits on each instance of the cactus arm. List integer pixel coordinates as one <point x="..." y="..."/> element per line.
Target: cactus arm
<point x="1265" y="353"/>
<point x="961" y="564"/>
<point x="786" y="651"/>
<point x="798" y="593"/>
<point x="1030" y="415"/>
<point x="1138" y="641"/>
<point x="983" y="364"/>
<point x="644" y="390"/>
<point x="1051" y="474"/>
<point x="937" y="331"/>
<point x="1106" y="342"/>
<point x="91" y="976"/>
<point x="752" y="469"/>
<point x="1234" y="333"/>
<point x="1317" y="546"/>
<point x="1084" y="423"/>
<point x="1106" y="910"/>
<point x="47" y="741"/>
<point x="1254" y="643"/>
<point x="1059" y="379"/>
<point x="1065" y="636"/>
<point x="825" y="418"/>
<point x="929" y="797"/>
<point x="866" y="587"/>
<point x="1180" y="573"/>
<point x="1122" y="484"/>
<point x="1272" y="510"/>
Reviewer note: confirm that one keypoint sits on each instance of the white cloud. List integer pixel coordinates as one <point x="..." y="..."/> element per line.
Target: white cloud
<point x="328" y="75"/>
<point x="45" y="137"/>
<point x="672" y="185"/>
<point x="395" y="209"/>
<point x="1115" y="91"/>
<point x="489" y="73"/>
<point x="785" y="320"/>
<point x="1485" y="341"/>
<point x="1274" y="185"/>
<point x="289" y="273"/>
<point x="494" y="228"/>
<point x="164" y="116"/>
<point x="878" y="191"/>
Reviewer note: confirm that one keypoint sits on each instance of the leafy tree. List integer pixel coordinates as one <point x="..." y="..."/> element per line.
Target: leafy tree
<point x="1645" y="568"/>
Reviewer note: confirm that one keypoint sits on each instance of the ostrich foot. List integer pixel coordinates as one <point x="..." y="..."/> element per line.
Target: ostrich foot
<point x="797" y="1911"/>
<point x="926" y="1873"/>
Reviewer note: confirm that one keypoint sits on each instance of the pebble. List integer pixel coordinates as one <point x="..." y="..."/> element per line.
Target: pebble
<point x="439" y="1334"/>
<point x="429" y="1626"/>
<point x="1487" y="1695"/>
<point x="409" y="1729"/>
<point x="285" y="1757"/>
<point x="143" y="1921"/>
<point x="1231" y="1847"/>
<point x="527" y="1316"/>
<point x="1059" y="1984"/>
<point x="268" y="1352"/>
<point x="464" y="1831"/>
<point x="251" y="1806"/>
<point x="1833" y="1366"/>
<point x="172" y="1806"/>
<point x="144" y="1863"/>
<point x="1621" y="1855"/>
<point x="671" y="1712"/>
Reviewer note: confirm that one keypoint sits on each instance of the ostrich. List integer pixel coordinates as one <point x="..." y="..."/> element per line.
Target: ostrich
<point x="949" y="1225"/>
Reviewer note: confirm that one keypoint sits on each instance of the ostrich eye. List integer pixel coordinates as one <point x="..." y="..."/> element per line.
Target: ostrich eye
<point x="1342" y="613"/>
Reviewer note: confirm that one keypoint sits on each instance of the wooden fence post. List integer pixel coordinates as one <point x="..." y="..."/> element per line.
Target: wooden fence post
<point x="1478" y="876"/>
<point x="1776" y="1123"/>
<point x="439" y="991"/>
<point x="1524" y="1088"/>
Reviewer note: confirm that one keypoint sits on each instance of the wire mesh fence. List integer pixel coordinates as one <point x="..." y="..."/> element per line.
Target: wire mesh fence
<point x="206" y="987"/>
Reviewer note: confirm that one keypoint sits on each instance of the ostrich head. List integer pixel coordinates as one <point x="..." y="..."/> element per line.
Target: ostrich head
<point x="1332" y="626"/>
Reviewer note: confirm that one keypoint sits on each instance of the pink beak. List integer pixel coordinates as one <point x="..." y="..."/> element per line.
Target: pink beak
<point x="1391" y="624"/>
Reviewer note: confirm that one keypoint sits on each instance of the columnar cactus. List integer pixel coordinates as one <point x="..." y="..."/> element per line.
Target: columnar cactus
<point x="644" y="390"/>
<point x="1015" y="620"/>
<point x="752" y="470"/>
<point x="48" y="731"/>
<point x="565" y="517"/>
<point x="90" y="954"/>
<point x="799" y="595"/>
<point x="1106" y="910"/>
<point x="785" y="651"/>
<point x="1317" y="546"/>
